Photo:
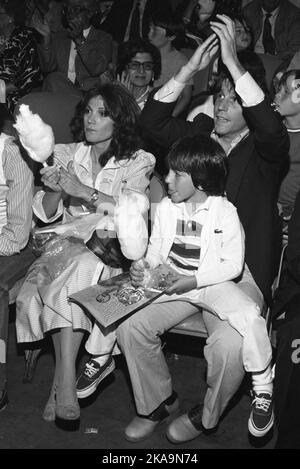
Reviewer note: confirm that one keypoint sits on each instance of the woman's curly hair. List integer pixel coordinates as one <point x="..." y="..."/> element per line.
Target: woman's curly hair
<point x="123" y="110"/>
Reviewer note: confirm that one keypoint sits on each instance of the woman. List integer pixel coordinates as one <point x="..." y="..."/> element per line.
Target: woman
<point x="89" y="175"/>
<point x="19" y="64"/>
<point x="139" y="66"/>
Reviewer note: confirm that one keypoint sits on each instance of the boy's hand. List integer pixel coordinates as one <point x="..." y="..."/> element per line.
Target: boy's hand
<point x="137" y="272"/>
<point x="183" y="284"/>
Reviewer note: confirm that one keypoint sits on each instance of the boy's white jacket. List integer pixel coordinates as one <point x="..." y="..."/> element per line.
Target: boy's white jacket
<point x="222" y="241"/>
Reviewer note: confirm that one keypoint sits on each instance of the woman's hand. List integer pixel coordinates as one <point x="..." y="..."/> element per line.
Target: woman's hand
<point x="124" y="79"/>
<point x="183" y="284"/>
<point x="71" y="184"/>
<point x="51" y="177"/>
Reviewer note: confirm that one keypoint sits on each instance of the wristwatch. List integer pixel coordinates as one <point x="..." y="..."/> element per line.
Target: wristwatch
<point x="95" y="196"/>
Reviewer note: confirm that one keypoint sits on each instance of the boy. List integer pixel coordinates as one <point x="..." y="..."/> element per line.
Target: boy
<point x="164" y="33"/>
<point x="287" y="100"/>
<point x="197" y="233"/>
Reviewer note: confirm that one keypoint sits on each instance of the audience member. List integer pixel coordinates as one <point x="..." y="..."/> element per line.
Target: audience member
<point x="287" y="323"/>
<point x="166" y="33"/>
<point x="197" y="14"/>
<point x="295" y="62"/>
<point x="248" y="59"/>
<point x="287" y="100"/>
<point x="256" y="143"/>
<point x="129" y="19"/>
<point x="16" y="192"/>
<point x="79" y="57"/>
<point x="139" y="65"/>
<point x="275" y="26"/>
<point x="49" y="10"/>
<point x="104" y="7"/>
<point x="19" y="64"/>
<point x="86" y="175"/>
<point x="209" y="269"/>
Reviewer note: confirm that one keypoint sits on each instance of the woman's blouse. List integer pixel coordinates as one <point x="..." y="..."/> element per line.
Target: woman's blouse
<point x="130" y="174"/>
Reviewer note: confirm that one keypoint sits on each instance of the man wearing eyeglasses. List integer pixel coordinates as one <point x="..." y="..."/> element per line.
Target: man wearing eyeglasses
<point x="79" y="57"/>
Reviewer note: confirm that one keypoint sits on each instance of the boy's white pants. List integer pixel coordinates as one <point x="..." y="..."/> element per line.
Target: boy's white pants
<point x="230" y="303"/>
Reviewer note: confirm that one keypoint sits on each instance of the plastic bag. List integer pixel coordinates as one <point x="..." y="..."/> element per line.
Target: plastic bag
<point x="159" y="278"/>
<point x="58" y="254"/>
<point x="38" y="242"/>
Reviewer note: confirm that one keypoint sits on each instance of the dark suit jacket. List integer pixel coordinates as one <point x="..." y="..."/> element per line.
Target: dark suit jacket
<point x="96" y="53"/>
<point x="117" y="20"/>
<point x="287" y="26"/>
<point x="255" y="166"/>
<point x="289" y="288"/>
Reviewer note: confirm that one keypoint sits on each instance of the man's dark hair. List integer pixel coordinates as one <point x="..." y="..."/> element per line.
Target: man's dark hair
<point x="129" y="49"/>
<point x="204" y="159"/>
<point x="124" y="112"/>
<point x="252" y="63"/>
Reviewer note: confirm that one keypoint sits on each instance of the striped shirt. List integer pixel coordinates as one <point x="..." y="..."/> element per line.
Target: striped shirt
<point x="186" y="248"/>
<point x="19" y="178"/>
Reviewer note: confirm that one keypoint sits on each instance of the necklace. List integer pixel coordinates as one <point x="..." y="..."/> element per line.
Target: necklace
<point x="144" y="94"/>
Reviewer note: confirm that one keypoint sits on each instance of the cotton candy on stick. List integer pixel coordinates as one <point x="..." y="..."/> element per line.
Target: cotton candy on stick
<point x="130" y="224"/>
<point x="35" y="135"/>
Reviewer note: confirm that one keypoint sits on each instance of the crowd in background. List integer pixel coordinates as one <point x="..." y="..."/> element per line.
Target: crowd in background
<point x="54" y="54"/>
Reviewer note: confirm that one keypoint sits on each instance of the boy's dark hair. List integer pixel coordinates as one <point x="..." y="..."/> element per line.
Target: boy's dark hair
<point x="204" y="159"/>
<point x="283" y="79"/>
<point x="129" y="49"/>
<point x="173" y="25"/>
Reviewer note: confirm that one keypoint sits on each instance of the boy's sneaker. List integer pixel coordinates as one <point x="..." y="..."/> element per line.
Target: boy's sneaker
<point x="261" y="418"/>
<point x="92" y="375"/>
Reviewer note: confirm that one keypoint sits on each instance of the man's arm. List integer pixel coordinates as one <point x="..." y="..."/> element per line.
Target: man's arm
<point x="156" y="115"/>
<point x="293" y="249"/>
<point x="14" y="235"/>
<point x="270" y="135"/>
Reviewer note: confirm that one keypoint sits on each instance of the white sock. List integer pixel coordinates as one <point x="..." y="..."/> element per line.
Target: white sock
<point x="101" y="359"/>
<point x="263" y="381"/>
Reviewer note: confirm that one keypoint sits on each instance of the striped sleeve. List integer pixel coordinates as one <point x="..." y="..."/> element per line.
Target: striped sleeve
<point x="19" y="178"/>
<point x="63" y="153"/>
